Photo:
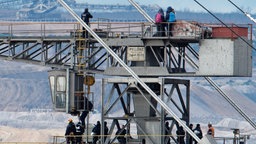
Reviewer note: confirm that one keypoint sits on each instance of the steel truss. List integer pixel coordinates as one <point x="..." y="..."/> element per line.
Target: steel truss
<point x="134" y="100"/>
<point x="41" y="52"/>
<point x="160" y="60"/>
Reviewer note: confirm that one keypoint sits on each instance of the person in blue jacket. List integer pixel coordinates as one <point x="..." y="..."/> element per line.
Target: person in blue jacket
<point x="170" y="18"/>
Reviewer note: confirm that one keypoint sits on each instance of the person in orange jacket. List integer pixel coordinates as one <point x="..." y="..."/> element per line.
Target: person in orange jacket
<point x="210" y="130"/>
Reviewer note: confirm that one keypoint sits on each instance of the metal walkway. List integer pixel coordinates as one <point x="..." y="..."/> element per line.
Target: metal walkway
<point x="55" y="44"/>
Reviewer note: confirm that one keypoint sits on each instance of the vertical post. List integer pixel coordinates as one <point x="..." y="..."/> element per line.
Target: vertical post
<point x="188" y="107"/>
<point x="72" y="63"/>
<point x="41" y="30"/>
<point x="67" y="90"/>
<point x="162" y="121"/>
<point x="102" y="111"/>
<point x="44" y="29"/>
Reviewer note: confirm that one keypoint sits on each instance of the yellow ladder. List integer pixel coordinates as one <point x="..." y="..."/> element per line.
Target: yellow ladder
<point x="81" y="48"/>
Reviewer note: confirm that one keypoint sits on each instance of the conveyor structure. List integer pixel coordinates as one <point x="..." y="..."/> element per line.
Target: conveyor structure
<point x="144" y="75"/>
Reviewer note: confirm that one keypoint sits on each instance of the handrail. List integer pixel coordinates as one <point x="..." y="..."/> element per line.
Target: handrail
<point x="223" y="140"/>
<point x="111" y="29"/>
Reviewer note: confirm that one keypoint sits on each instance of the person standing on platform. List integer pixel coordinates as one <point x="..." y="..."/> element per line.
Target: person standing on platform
<point x="85" y="16"/>
<point x="170" y="18"/>
<point x="121" y="135"/>
<point x="160" y="25"/>
<point x="96" y="132"/>
<point x="70" y="132"/>
<point x="167" y="137"/>
<point x="198" y="132"/>
<point x="190" y="141"/>
<point x="79" y="133"/>
<point x="180" y="135"/>
<point x="105" y="131"/>
<point x="210" y="130"/>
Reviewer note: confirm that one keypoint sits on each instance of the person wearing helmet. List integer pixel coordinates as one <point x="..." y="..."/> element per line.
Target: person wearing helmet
<point x="70" y="132"/>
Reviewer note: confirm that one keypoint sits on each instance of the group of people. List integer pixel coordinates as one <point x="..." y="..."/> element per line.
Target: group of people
<point x="96" y="132"/>
<point x="198" y="131"/>
<point x="74" y="132"/>
<point x="120" y="133"/>
<point x="181" y="133"/>
<point x="164" y="22"/>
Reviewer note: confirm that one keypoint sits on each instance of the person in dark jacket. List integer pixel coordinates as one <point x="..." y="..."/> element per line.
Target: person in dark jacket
<point x="96" y="132"/>
<point x="180" y="135"/>
<point x="70" y="132"/>
<point x="167" y="129"/>
<point x="121" y="135"/>
<point x="88" y="107"/>
<point x="190" y="141"/>
<point x="143" y="141"/>
<point x="85" y="16"/>
<point x="79" y="133"/>
<point x="105" y="130"/>
<point x="159" y="20"/>
<point x="198" y="132"/>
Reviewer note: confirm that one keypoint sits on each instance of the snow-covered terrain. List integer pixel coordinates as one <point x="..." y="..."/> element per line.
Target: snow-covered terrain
<point x="34" y="126"/>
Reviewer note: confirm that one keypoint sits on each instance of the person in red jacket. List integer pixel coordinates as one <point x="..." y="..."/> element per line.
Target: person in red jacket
<point x="160" y="25"/>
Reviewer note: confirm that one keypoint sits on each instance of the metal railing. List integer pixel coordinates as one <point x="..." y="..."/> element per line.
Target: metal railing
<point x="136" y="139"/>
<point x="65" y="29"/>
<point x="181" y="29"/>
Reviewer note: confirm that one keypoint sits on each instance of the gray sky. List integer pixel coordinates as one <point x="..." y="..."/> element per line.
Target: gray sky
<point x="212" y="5"/>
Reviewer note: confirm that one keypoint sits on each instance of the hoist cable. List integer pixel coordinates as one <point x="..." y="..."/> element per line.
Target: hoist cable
<point x="225" y="25"/>
<point x="245" y="13"/>
<point x="237" y="108"/>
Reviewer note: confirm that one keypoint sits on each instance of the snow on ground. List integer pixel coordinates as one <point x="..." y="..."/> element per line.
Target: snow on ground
<point x="10" y="134"/>
<point x="35" y="126"/>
